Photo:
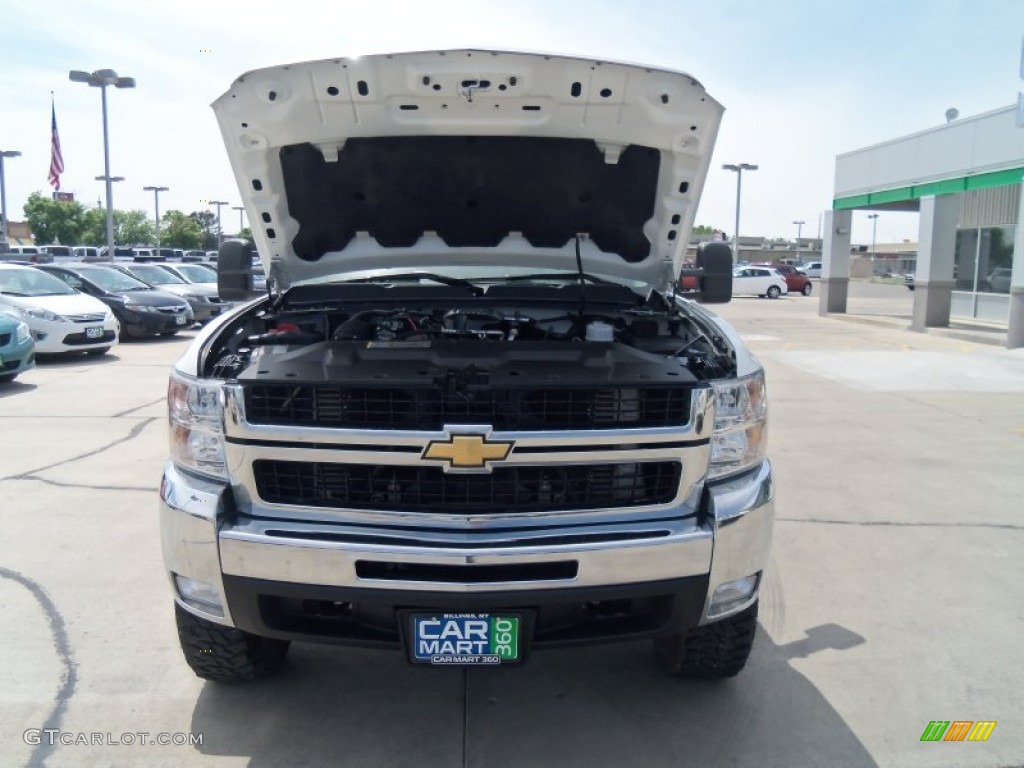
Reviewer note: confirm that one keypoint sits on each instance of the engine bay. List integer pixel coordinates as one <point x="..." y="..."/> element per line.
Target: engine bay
<point x="355" y="332"/>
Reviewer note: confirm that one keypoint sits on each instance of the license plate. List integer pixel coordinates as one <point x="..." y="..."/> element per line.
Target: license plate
<point x="466" y="638"/>
<point x="94" y="333"/>
<point x="180" y="319"/>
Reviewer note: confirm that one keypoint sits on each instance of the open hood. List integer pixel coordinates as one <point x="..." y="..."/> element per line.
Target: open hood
<point x="468" y="157"/>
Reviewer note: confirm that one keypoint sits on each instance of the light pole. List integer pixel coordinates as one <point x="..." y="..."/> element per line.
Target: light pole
<point x="799" y="229"/>
<point x="156" y="205"/>
<point x="874" y="229"/>
<point x="110" y="217"/>
<point x="739" y="169"/>
<point x="220" y="232"/>
<point x="239" y="208"/>
<point x="3" y="195"/>
<point x="101" y="78"/>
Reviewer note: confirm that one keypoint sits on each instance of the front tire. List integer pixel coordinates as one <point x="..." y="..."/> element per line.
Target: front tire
<point x="225" y="654"/>
<point x="806" y="290"/>
<point x="712" y="651"/>
<point x="774" y="292"/>
<point x="97" y="352"/>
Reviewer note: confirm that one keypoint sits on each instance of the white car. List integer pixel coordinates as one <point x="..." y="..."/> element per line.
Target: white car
<point x="61" y="319"/>
<point x="758" y="281"/>
<point x="811" y="269"/>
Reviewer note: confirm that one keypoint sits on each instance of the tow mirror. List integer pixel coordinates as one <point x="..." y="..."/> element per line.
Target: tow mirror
<point x="709" y="280"/>
<point x="234" y="271"/>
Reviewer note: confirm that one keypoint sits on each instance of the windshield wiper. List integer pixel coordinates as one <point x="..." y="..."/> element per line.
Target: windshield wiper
<point x="455" y="282"/>
<point x="569" y="277"/>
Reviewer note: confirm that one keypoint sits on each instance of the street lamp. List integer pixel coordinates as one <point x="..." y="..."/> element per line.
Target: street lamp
<point x="799" y="229"/>
<point x="156" y="205"/>
<point x="110" y="222"/>
<point x="239" y="208"/>
<point x="220" y="232"/>
<point x="739" y="169"/>
<point x="101" y="78"/>
<point x="3" y="194"/>
<point x="874" y="229"/>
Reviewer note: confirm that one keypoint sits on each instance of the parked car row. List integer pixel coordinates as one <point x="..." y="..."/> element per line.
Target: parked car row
<point x="83" y="306"/>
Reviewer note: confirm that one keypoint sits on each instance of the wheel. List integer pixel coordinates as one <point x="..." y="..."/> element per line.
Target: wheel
<point x="712" y="651"/>
<point x="97" y="352"/>
<point x="774" y="292"/>
<point x="806" y="290"/>
<point x="8" y="377"/>
<point x="224" y="654"/>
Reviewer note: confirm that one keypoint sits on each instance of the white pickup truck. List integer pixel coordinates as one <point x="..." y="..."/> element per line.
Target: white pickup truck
<point x="478" y="411"/>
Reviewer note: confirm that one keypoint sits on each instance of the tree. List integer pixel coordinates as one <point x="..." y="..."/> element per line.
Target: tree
<point x="131" y="227"/>
<point x="207" y="221"/>
<point x="54" y="220"/>
<point x="94" y="227"/>
<point x="245" y="234"/>
<point x="700" y="229"/>
<point x="180" y="231"/>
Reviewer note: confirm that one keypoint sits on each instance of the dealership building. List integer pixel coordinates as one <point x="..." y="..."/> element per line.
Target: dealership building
<point x="965" y="180"/>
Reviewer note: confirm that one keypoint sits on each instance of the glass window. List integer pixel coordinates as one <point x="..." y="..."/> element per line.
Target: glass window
<point x="983" y="259"/>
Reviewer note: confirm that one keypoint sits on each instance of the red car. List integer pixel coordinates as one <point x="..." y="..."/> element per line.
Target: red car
<point x="796" y="281"/>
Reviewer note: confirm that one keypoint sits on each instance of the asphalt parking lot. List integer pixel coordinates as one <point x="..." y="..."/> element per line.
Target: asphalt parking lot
<point x="893" y="598"/>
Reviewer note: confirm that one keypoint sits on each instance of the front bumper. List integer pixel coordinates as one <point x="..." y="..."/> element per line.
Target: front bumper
<point x="17" y="357"/>
<point x="331" y="583"/>
<point x="67" y="336"/>
<point x="153" y="323"/>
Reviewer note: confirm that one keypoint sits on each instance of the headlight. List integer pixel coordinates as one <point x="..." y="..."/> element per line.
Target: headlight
<point x="195" y="412"/>
<point x="43" y="314"/>
<point x="740" y="438"/>
<point x="22" y="333"/>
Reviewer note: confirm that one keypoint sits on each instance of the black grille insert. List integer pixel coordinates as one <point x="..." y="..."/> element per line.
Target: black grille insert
<point x="431" y="409"/>
<point x="429" y="489"/>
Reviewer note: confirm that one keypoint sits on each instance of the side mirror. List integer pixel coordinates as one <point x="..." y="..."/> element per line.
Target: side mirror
<point x="709" y="281"/>
<point x="234" y="271"/>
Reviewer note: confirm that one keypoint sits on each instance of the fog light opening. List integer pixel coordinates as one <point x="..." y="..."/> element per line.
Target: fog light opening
<point x="733" y="594"/>
<point x="199" y="595"/>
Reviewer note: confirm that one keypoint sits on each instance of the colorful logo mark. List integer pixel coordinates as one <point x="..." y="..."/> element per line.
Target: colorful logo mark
<point x="958" y="730"/>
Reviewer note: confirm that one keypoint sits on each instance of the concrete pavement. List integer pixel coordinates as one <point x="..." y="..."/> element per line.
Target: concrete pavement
<point x="893" y="598"/>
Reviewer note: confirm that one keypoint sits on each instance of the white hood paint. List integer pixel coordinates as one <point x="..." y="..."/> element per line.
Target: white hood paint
<point x="443" y="94"/>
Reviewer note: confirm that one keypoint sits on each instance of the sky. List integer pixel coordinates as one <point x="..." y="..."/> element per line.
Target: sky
<point x="801" y="81"/>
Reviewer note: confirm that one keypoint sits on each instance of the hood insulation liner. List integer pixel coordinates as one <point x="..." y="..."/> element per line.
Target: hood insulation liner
<point x="471" y="191"/>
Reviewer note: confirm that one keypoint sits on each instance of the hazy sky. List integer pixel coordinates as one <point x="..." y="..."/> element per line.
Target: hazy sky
<point x="801" y="81"/>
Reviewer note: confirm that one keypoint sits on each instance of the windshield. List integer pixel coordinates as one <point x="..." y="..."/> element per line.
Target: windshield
<point x="155" y="275"/>
<point x="112" y="280"/>
<point x="479" y="274"/>
<point x="197" y="274"/>
<point x="32" y="282"/>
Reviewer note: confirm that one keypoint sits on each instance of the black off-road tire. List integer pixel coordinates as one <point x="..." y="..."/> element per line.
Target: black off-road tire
<point x="710" y="652"/>
<point x="227" y="655"/>
<point x="774" y="292"/>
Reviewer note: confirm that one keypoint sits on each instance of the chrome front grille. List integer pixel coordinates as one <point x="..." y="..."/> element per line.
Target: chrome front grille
<point x="89" y="318"/>
<point x="371" y="476"/>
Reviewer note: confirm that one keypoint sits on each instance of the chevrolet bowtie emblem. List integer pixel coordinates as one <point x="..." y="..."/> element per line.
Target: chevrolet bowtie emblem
<point x="467" y="451"/>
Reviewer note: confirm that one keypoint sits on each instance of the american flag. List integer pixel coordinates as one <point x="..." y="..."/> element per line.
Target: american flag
<point x="56" y="158"/>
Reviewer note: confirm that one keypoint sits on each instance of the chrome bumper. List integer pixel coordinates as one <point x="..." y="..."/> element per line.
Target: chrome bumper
<point x="202" y="542"/>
